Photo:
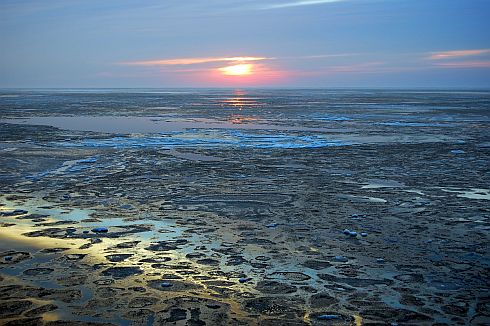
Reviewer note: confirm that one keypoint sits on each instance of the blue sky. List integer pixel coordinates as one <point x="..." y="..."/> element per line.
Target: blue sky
<point x="276" y="43"/>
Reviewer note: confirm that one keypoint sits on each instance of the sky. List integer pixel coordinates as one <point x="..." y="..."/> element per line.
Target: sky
<point x="244" y="43"/>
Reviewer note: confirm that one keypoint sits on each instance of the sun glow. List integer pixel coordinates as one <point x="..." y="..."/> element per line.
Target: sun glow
<point x="237" y="70"/>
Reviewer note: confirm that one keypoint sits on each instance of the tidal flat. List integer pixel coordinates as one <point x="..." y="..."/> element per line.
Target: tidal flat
<point x="244" y="207"/>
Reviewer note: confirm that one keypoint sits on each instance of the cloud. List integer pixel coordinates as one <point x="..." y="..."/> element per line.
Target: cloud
<point x="361" y="67"/>
<point x="464" y="64"/>
<point x="243" y="59"/>
<point x="297" y="4"/>
<point x="460" y="59"/>
<point x="457" y="54"/>
<point x="326" y="56"/>
<point x="192" y="61"/>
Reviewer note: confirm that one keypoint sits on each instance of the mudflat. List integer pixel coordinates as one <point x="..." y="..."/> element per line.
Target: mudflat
<point x="223" y="207"/>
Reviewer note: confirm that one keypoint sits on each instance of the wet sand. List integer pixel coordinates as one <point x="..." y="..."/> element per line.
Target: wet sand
<point x="348" y="214"/>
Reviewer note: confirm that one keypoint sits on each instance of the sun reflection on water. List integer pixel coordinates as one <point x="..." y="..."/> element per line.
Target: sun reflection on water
<point x="240" y="99"/>
<point x="241" y="119"/>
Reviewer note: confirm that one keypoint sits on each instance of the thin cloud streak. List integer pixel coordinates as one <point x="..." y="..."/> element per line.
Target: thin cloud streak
<point x="363" y="67"/>
<point x="326" y="56"/>
<point x="192" y="61"/>
<point x="464" y="64"/>
<point x="457" y="54"/>
<point x="298" y="4"/>
<point x="243" y="59"/>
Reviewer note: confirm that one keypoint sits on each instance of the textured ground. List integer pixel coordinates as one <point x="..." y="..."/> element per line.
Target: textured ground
<point x="244" y="219"/>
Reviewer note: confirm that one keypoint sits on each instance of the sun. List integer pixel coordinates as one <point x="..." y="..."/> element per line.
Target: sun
<point x="237" y="70"/>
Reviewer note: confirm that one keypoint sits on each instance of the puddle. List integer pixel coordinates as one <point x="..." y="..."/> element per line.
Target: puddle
<point x="472" y="193"/>
<point x="382" y="183"/>
<point x="135" y="124"/>
<point x="362" y="199"/>
<point x="416" y="124"/>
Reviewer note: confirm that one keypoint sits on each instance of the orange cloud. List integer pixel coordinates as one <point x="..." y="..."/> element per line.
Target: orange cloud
<point x="457" y="54"/>
<point x="260" y="74"/>
<point x="220" y="71"/>
<point x="192" y="61"/>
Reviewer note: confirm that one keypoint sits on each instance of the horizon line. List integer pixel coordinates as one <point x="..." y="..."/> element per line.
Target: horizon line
<point x="487" y="88"/>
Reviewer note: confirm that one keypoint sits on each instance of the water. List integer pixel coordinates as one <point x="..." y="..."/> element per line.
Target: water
<point x="249" y="118"/>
